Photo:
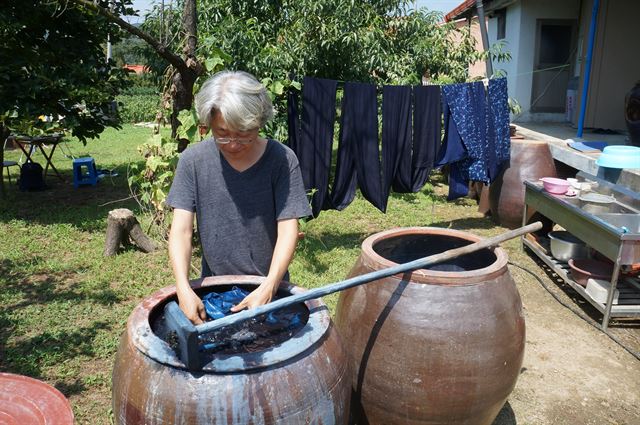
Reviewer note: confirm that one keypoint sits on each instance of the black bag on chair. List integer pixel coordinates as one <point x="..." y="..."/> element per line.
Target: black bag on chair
<point x="31" y="177"/>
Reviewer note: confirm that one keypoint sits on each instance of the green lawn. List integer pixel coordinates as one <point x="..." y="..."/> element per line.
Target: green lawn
<point x="63" y="305"/>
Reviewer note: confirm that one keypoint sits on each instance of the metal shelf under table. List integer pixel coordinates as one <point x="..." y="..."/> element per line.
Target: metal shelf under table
<point x="619" y="246"/>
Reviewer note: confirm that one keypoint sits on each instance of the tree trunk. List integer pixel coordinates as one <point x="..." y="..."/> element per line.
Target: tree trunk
<point x="122" y="225"/>
<point x="184" y="78"/>
<point x="186" y="70"/>
<point x="4" y="133"/>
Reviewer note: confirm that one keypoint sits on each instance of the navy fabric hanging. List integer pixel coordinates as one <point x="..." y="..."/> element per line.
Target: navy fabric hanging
<point x="344" y="182"/>
<point x="408" y="156"/>
<point x="293" y="121"/>
<point x="427" y="131"/>
<point x="499" y="125"/>
<point x="453" y="152"/>
<point x="358" y="152"/>
<point x="316" y="138"/>
<point x="396" y="140"/>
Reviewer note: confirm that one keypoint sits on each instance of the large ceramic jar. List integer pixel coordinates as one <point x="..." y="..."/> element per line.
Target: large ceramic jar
<point x="438" y="346"/>
<point x="530" y="160"/>
<point x="304" y="379"/>
<point x="632" y="114"/>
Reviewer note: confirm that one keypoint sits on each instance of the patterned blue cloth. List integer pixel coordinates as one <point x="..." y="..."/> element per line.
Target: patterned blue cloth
<point x="453" y="152"/>
<point x="476" y="143"/>
<point x="499" y="124"/>
<point x="467" y="102"/>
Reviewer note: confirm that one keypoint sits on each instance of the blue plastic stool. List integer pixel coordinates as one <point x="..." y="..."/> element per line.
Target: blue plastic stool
<point x="84" y="172"/>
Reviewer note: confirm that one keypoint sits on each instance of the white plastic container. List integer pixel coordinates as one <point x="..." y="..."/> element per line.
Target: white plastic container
<point x="598" y="290"/>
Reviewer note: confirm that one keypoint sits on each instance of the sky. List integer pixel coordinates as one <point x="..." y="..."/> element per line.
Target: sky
<point x="443" y="6"/>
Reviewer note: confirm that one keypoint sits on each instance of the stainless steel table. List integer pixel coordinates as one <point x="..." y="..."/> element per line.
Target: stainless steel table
<point x="615" y="234"/>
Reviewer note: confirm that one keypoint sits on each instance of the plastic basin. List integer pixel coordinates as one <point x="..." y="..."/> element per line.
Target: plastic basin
<point x="555" y="185"/>
<point x="584" y="269"/>
<point x="619" y="157"/>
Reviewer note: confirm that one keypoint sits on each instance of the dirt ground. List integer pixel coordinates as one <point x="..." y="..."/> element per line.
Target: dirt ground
<point x="573" y="373"/>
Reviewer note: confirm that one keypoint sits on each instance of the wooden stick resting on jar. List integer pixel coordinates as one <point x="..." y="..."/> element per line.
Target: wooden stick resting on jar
<point x="187" y="333"/>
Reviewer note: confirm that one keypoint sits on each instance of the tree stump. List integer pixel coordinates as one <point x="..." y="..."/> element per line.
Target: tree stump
<point x="122" y="225"/>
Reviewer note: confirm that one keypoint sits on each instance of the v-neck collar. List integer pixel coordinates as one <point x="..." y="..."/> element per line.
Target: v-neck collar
<point x="255" y="165"/>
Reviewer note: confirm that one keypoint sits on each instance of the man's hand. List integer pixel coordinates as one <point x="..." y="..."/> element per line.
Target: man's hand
<point x="192" y="307"/>
<point x="261" y="295"/>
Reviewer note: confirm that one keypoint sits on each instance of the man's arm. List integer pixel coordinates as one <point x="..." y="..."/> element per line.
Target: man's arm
<point x="282" y="256"/>
<point x="180" y="255"/>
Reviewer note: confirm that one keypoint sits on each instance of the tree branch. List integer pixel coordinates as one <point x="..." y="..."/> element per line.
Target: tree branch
<point x="171" y="57"/>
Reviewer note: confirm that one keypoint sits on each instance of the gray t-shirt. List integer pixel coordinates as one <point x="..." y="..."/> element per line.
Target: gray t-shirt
<point x="237" y="212"/>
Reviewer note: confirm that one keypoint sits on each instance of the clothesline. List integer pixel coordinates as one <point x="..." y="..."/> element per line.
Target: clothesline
<point x="476" y="139"/>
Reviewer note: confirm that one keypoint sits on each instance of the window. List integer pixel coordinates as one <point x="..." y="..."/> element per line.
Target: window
<point x="501" y="16"/>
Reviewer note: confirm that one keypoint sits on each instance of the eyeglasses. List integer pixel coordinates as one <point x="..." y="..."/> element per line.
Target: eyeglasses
<point x="227" y="140"/>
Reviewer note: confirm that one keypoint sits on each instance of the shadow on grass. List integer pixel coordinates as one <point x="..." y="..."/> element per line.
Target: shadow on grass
<point x="43" y="289"/>
<point x="33" y="356"/>
<point x="469" y="223"/>
<point x="322" y="242"/>
<point x="35" y="350"/>
<point x="85" y="207"/>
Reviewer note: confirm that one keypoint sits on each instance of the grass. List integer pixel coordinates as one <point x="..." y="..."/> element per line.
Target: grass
<point x="63" y="305"/>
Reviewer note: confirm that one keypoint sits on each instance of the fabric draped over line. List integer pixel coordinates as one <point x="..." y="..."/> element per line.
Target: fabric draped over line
<point x="499" y="124"/>
<point x="358" y="152"/>
<point x="410" y="138"/>
<point x="476" y="142"/>
<point x="314" y="142"/>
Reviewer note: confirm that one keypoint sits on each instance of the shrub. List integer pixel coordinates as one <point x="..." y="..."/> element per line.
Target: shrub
<point x="138" y="108"/>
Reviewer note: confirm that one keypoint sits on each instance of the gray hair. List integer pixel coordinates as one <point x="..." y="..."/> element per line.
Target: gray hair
<point x="238" y="96"/>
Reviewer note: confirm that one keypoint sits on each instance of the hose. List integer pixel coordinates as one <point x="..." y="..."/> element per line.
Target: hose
<point x="579" y="313"/>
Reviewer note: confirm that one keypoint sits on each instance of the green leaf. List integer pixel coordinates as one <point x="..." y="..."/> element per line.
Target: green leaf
<point x="277" y="87"/>
<point x="214" y="63"/>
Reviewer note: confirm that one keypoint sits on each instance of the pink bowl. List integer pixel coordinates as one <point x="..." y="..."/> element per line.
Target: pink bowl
<point x="555" y="186"/>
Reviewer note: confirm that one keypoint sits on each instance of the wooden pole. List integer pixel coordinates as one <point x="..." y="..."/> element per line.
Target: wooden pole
<point x="485" y="37"/>
<point x="365" y="278"/>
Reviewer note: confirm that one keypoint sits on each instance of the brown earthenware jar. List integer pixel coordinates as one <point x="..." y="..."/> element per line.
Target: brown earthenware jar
<point x="438" y="346"/>
<point x="304" y="379"/>
<point x="530" y="160"/>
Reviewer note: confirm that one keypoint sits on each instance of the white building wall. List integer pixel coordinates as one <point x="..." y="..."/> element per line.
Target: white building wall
<point x="511" y="43"/>
<point x="520" y="39"/>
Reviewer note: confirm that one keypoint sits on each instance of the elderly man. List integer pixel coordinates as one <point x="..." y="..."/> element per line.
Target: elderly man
<point x="245" y="191"/>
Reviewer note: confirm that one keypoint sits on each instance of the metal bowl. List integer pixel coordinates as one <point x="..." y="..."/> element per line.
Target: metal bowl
<point x="565" y="246"/>
<point x="596" y="203"/>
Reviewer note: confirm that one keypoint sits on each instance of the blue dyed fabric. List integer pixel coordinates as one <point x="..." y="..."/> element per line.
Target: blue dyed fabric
<point x="453" y="152"/>
<point x="316" y="137"/>
<point x="476" y="143"/>
<point x="218" y="305"/>
<point x="358" y="152"/>
<point x="468" y="105"/>
<point x="410" y="139"/>
<point x="499" y="125"/>
<point x="427" y="133"/>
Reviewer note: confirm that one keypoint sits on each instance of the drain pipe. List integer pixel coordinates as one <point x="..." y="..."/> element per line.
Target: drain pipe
<point x="485" y="36"/>
<point x="587" y="66"/>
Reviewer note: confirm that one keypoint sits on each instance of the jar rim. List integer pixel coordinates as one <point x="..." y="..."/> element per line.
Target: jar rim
<point x="373" y="259"/>
<point x="146" y="341"/>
